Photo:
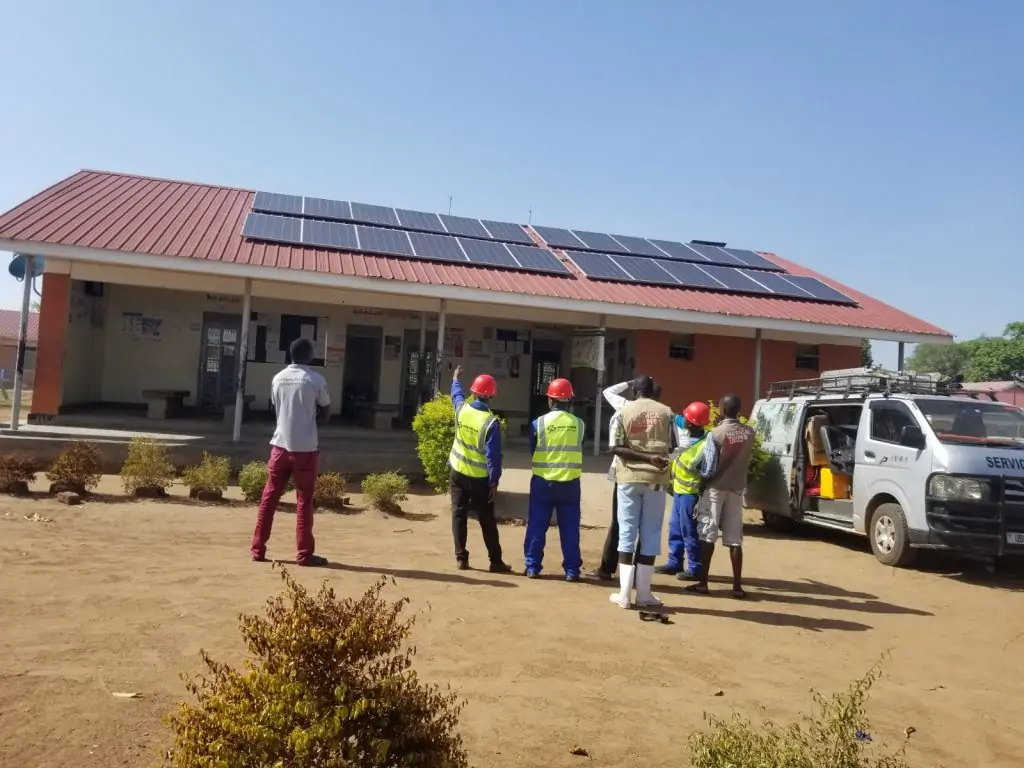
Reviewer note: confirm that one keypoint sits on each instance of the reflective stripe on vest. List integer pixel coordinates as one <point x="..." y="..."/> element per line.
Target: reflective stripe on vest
<point x="469" y="451"/>
<point x="559" y="453"/>
<point x="685" y="480"/>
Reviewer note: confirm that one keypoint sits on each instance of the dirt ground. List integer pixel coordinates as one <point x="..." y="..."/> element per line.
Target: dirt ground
<point x="117" y="596"/>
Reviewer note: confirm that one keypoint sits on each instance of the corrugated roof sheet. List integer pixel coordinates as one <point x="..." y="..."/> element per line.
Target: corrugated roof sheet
<point x="10" y="325"/>
<point x="135" y="214"/>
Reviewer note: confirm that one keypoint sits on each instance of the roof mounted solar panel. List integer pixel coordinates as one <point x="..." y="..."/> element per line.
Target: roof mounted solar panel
<point x="679" y="251"/>
<point x="460" y="225"/>
<point x="645" y="270"/>
<point x="330" y="234"/>
<point x="598" y="241"/>
<point x="507" y="232"/>
<point x="559" y="238"/>
<point x="538" y="259"/>
<point x="274" y="229"/>
<point x="488" y="253"/>
<point x="374" y="214"/>
<point x="429" y="222"/>
<point x="319" y="208"/>
<point x="819" y="290"/>
<point x="436" y="247"/>
<point x="690" y="275"/>
<point x="735" y="279"/>
<point x="639" y="246"/>
<point x="271" y="202"/>
<point x="777" y="284"/>
<point x="715" y="255"/>
<point x="751" y="259"/>
<point x="598" y="266"/>
<point x="388" y="242"/>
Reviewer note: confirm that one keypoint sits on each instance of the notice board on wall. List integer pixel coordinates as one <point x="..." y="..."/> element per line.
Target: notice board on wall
<point x="270" y="337"/>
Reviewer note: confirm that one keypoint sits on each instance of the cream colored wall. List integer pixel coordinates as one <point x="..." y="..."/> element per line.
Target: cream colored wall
<point x="84" y="352"/>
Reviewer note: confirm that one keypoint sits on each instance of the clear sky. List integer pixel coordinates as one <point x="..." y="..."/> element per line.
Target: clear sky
<point x="879" y="142"/>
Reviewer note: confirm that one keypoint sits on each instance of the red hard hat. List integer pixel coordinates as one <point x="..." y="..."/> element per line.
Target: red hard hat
<point x="484" y="385"/>
<point x="697" y="413"/>
<point x="560" y="389"/>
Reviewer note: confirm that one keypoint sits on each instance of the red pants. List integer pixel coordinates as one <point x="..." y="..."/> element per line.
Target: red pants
<point x="301" y="468"/>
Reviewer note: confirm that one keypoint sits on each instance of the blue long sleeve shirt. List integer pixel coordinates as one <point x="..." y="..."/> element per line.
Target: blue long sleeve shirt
<point x="493" y="444"/>
<point x="707" y="460"/>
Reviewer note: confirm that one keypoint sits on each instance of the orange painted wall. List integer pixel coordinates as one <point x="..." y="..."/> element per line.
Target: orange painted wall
<point x="53" y="327"/>
<point x="725" y="364"/>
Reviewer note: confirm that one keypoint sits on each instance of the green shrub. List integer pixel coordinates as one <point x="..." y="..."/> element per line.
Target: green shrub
<point x="434" y="426"/>
<point x="78" y="467"/>
<point x="834" y="737"/>
<point x="212" y="474"/>
<point x="251" y="480"/>
<point x="148" y="466"/>
<point x="385" y="490"/>
<point x="329" y="682"/>
<point x="759" y="457"/>
<point x="16" y="468"/>
<point x="330" y="490"/>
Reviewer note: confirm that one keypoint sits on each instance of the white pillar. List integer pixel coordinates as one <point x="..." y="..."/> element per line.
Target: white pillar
<point x="440" y="345"/>
<point x="242" y="357"/>
<point x="757" y="367"/>
<point x="421" y="360"/>
<point x="19" y="366"/>
<point x="899" y="357"/>
<point x="600" y="388"/>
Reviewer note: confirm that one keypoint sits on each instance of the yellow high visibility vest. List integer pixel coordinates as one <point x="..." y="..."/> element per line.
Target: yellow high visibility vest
<point x="685" y="480"/>
<point x="559" y="453"/>
<point x="469" y="451"/>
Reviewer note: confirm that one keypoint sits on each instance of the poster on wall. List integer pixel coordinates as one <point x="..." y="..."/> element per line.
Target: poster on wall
<point x="335" y="357"/>
<point x="141" y="327"/>
<point x="586" y="351"/>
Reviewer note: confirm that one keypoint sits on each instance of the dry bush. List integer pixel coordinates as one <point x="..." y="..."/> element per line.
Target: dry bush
<point x="212" y="474"/>
<point x="330" y="490"/>
<point x="834" y="737"/>
<point x="16" y="468"/>
<point x="386" y="490"/>
<point x="329" y="684"/>
<point x="148" y="466"/>
<point x="78" y="468"/>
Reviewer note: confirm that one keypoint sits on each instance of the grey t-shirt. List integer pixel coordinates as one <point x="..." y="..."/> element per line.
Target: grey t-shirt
<point x="297" y="392"/>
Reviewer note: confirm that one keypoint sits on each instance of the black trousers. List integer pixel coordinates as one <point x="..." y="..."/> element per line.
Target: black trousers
<point x="469" y="494"/>
<point x="610" y="553"/>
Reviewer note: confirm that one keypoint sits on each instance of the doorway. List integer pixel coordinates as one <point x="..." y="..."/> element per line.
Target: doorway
<point x="546" y="365"/>
<point x="417" y="372"/>
<point x="361" y="381"/>
<point x="218" y="361"/>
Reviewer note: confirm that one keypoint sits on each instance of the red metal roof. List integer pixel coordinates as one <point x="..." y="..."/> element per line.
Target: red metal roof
<point x="136" y="214"/>
<point x="10" y="324"/>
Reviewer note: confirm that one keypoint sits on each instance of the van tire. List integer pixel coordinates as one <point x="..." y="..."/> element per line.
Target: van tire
<point x="777" y="523"/>
<point x="890" y="536"/>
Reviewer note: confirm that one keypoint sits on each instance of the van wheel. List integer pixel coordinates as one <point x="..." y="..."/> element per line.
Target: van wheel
<point x="777" y="523"/>
<point x="890" y="537"/>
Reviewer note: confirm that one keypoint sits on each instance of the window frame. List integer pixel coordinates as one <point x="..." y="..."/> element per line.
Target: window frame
<point x="687" y="346"/>
<point x="804" y="354"/>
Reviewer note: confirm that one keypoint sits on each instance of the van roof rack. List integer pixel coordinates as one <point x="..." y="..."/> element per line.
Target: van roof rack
<point x="873" y="380"/>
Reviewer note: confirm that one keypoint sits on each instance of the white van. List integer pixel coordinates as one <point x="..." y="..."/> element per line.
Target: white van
<point x="910" y="461"/>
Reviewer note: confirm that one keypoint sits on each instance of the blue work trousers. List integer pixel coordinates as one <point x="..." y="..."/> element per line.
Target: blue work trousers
<point x="682" y="534"/>
<point x="564" y="499"/>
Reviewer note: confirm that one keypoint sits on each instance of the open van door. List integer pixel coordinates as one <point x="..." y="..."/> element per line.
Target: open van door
<point x="777" y="423"/>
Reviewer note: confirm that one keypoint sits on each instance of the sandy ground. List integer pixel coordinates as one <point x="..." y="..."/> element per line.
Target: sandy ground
<point x="119" y="596"/>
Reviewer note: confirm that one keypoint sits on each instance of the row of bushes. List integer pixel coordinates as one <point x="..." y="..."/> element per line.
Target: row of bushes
<point x="148" y="471"/>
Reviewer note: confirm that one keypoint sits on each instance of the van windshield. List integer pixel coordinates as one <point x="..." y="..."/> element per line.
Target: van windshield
<point x="970" y="422"/>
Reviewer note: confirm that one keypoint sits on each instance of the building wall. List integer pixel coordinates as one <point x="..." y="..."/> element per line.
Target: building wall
<point x="9" y="361"/>
<point x="725" y="364"/>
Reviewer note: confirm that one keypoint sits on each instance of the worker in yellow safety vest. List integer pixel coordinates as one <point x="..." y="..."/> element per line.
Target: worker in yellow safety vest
<point x="556" y="442"/>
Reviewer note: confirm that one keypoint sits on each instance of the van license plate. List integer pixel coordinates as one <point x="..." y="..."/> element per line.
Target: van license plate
<point x="1015" y="538"/>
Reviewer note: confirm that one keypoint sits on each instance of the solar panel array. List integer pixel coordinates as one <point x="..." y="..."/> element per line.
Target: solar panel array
<point x="376" y="229"/>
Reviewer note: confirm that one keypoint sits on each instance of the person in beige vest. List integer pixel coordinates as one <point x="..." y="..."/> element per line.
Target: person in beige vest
<point x="642" y="441"/>
<point x="728" y="450"/>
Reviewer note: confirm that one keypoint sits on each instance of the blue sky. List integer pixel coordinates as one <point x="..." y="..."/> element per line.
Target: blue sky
<point x="878" y="142"/>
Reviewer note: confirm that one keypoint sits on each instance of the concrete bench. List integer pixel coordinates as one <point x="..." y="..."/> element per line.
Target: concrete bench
<point x="229" y="409"/>
<point x="376" y="415"/>
<point x="164" y="403"/>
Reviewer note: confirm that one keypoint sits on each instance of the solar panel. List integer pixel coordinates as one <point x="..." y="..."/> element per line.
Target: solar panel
<point x="319" y="208"/>
<point x="390" y="242"/>
<point x="559" y="238"/>
<point x="639" y="246"/>
<point x="374" y="214"/>
<point x="645" y="270"/>
<point x="679" y="251"/>
<point x="690" y="275"/>
<point x="751" y="259"/>
<point x="460" y="225"/>
<point x="735" y="279"/>
<point x="437" y="247"/>
<point x="271" y="202"/>
<point x="819" y="290"/>
<point x="278" y="229"/>
<point x="598" y="265"/>
<point x="488" y="253"/>
<point x="715" y="255"/>
<point x="330" y="234"/>
<point x="598" y="241"/>
<point x="431" y="222"/>
<point x="538" y="259"/>
<point x="777" y="284"/>
<point x="507" y="232"/>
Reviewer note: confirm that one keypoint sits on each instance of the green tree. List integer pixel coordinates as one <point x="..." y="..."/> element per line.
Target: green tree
<point x="947" y="359"/>
<point x="987" y="358"/>
<point x="866" y="358"/>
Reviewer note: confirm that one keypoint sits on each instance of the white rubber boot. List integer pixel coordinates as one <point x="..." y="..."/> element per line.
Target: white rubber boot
<point x="622" y="597"/>
<point x="644" y="597"/>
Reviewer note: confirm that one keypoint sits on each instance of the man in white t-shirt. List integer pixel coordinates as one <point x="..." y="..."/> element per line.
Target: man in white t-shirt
<point x="300" y="400"/>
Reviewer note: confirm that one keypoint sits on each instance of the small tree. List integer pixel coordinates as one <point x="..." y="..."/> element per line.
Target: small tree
<point x="148" y="466"/>
<point x="77" y="469"/>
<point x="386" y="490"/>
<point x="329" y="491"/>
<point x="17" y="470"/>
<point x="328" y="683"/>
<point x="434" y="426"/>
<point x="212" y="475"/>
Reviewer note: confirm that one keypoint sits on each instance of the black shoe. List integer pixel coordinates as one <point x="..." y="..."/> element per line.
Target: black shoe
<point x="462" y="565"/>
<point x="572" y="577"/>
<point x="314" y="561"/>
<point x="600" y="575"/>
<point x="686" y="576"/>
<point x="531" y="574"/>
<point x="668" y="570"/>
<point x="500" y="567"/>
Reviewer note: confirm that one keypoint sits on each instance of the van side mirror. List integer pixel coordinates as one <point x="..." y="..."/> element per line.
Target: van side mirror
<point x="911" y="436"/>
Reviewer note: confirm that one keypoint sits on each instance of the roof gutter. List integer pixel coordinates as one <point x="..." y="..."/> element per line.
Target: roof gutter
<point x="452" y="293"/>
